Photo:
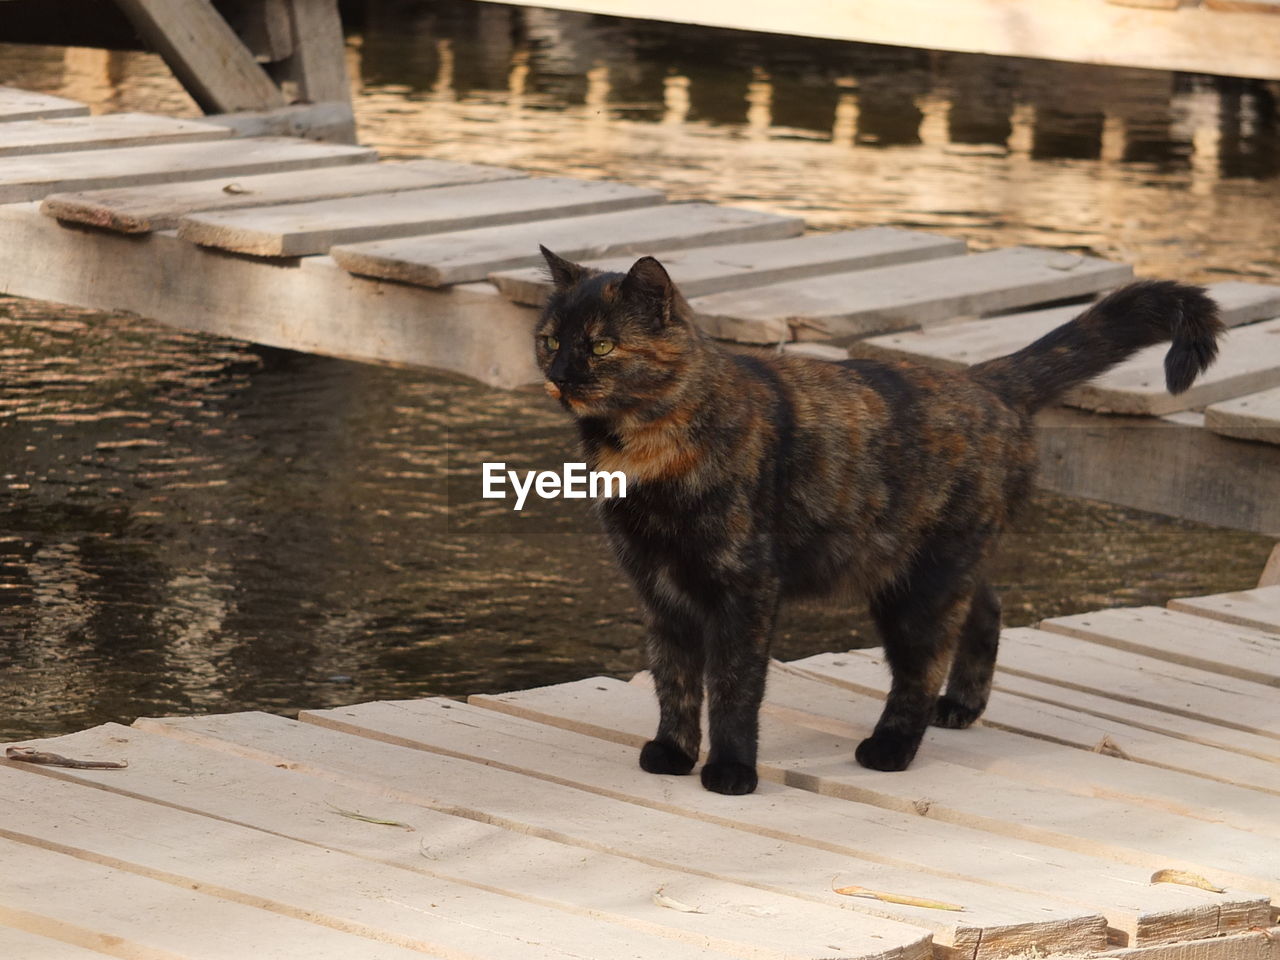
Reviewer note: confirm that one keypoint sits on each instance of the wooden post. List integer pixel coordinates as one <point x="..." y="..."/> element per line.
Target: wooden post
<point x="318" y="65"/>
<point x="204" y="53"/>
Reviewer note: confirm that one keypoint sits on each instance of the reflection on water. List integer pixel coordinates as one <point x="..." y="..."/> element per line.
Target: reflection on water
<point x="194" y="524"/>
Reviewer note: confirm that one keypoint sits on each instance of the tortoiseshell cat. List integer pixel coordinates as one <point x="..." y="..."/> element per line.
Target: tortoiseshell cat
<point x="754" y="478"/>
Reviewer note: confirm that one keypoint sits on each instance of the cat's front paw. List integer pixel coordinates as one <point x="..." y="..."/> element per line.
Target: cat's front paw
<point x="886" y="751"/>
<point x="661" y="756"/>
<point x="728" y="776"/>
<point x="954" y="714"/>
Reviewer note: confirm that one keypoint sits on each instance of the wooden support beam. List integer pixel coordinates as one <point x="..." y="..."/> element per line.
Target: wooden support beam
<point x="1271" y="572"/>
<point x="317" y="66"/>
<point x="204" y="53"/>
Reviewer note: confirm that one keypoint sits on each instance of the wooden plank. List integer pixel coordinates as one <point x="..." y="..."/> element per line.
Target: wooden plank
<point x="96" y="133"/>
<point x="703" y="270"/>
<point x="893" y="298"/>
<point x="204" y="54"/>
<point x="19" y="105"/>
<point x="1084" y="31"/>
<point x="161" y="206"/>
<point x="1258" y="608"/>
<point x="936" y="789"/>
<point x="313" y="305"/>
<point x="1261" y="943"/>
<point x="959" y="345"/>
<point x="21" y="945"/>
<point x="1170" y="687"/>
<point x="862" y="672"/>
<point x="30" y="178"/>
<point x="315" y="121"/>
<point x="1180" y="638"/>
<point x="132" y="916"/>
<point x="382" y="903"/>
<point x="1248" y="361"/>
<point x="1150" y="719"/>
<point x="1270" y="576"/>
<point x="735" y="919"/>
<point x="298" y="229"/>
<point x="434" y="261"/>
<point x="1167" y="464"/>
<point x="707" y="834"/>
<point x="1244" y="6"/>
<point x="1255" y="416"/>
<point x="612" y="713"/>
<point x="797" y="696"/>
<point x="557" y="811"/>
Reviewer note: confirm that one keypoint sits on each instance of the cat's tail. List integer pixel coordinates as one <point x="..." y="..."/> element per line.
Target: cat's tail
<point x="1108" y="332"/>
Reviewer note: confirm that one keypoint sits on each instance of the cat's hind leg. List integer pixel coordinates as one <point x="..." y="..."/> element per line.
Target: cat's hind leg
<point x="676" y="661"/>
<point x="920" y="620"/>
<point x="969" y="685"/>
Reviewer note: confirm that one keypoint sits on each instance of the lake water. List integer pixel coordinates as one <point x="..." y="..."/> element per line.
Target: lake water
<point x="195" y="524"/>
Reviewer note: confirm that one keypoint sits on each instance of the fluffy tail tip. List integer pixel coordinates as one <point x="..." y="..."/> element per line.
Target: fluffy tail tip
<point x="1196" y="328"/>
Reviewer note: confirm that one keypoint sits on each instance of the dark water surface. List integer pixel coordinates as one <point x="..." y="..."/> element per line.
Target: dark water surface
<point x="195" y="524"/>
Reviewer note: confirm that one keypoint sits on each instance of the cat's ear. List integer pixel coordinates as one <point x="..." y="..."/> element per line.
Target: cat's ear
<point x="649" y="286"/>
<point x="564" y="273"/>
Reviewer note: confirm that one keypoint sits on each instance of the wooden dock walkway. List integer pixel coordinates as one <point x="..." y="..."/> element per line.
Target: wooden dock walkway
<point x="321" y="247"/>
<point x="1118" y="746"/>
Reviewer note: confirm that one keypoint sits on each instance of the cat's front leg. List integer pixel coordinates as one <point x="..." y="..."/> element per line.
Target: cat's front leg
<point x="676" y="661"/>
<point x="737" y="664"/>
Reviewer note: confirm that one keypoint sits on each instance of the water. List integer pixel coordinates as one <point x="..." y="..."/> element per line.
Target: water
<point x="192" y="524"/>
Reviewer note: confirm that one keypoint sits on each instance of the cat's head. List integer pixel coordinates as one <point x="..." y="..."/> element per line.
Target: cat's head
<point x="612" y="343"/>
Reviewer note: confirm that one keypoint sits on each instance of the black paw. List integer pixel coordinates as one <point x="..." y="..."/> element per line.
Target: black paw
<point x="886" y="751"/>
<point x="728" y="776"/>
<point x="954" y="714"/>
<point x="660" y="756"/>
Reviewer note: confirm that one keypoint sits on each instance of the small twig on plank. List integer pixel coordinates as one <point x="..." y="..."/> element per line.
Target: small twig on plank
<point x="855" y="891"/>
<point x="355" y="815"/>
<point x="1186" y="879"/>
<point x="27" y="755"/>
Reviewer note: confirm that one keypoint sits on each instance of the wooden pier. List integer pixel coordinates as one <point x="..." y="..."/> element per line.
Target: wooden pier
<point x="320" y="247"/>
<point x="1119" y="799"/>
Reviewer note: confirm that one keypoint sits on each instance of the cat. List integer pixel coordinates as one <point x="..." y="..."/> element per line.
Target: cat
<point x="753" y="478"/>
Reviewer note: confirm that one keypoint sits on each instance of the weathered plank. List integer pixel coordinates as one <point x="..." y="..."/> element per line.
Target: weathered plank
<point x="1167" y="464"/>
<point x="313" y="306"/>
<point x="126" y="915"/>
<point x="1152" y="719"/>
<point x="599" y="702"/>
<point x="19" y="105"/>
<point x="434" y="261"/>
<point x="939" y="790"/>
<point x="319" y="65"/>
<point x="703" y="270"/>
<point x="862" y="673"/>
<point x="382" y="903"/>
<point x="30" y="178"/>
<point x="100" y="132"/>
<point x="1255" y="416"/>
<point x="204" y="53"/>
<point x="298" y="229"/>
<point x="593" y="818"/>
<point x="598" y="807"/>
<point x="962" y="344"/>
<point x="161" y="206"/>
<point x="1248" y="361"/>
<point x="892" y="298"/>
<point x="797" y="696"/>
<point x="1180" y="638"/>
<point x="1260" y="943"/>
<point x="1170" y="687"/>
<point x="735" y="919"/>
<point x="1258" y="608"/>
<point x="21" y="945"/>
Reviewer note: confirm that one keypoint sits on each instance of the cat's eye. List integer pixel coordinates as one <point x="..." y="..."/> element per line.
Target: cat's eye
<point x="552" y="343"/>
<point x="602" y="347"/>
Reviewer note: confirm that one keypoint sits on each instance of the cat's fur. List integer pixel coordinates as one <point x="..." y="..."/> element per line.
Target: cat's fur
<point x="752" y="479"/>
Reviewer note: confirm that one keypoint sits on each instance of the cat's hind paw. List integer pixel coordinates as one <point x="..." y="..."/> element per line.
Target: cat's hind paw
<point x="954" y="714"/>
<point x="661" y="756"/>
<point x="728" y="776"/>
<point x="886" y="751"/>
